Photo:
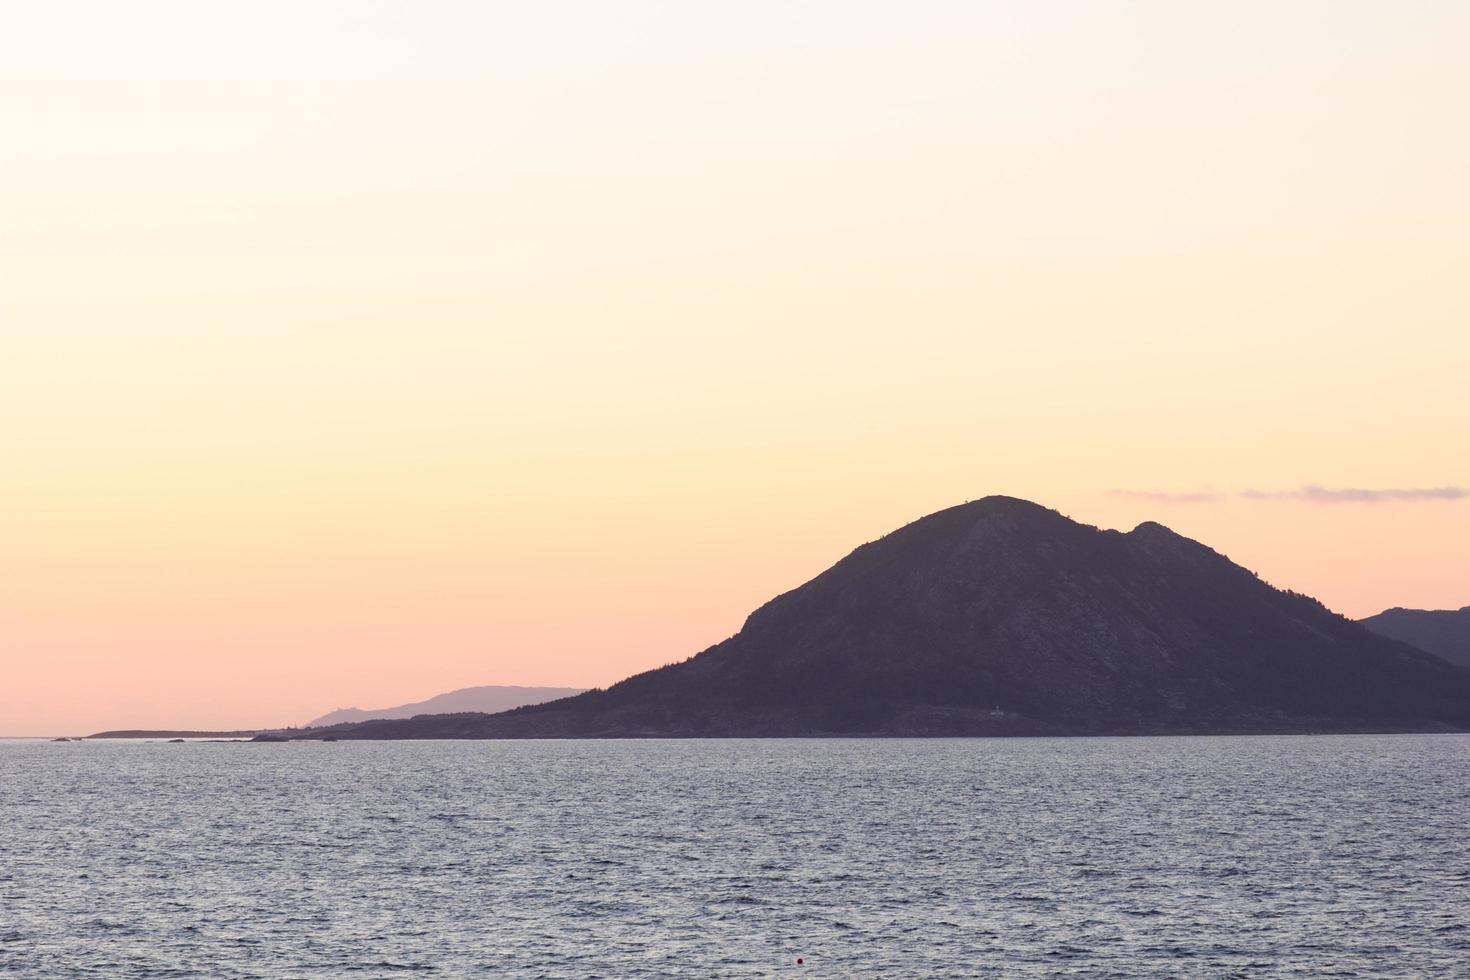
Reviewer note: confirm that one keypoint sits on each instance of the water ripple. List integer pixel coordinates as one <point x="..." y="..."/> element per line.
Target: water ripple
<point x="1249" y="857"/>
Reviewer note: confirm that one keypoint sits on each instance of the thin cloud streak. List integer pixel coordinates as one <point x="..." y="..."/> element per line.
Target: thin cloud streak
<point x="1311" y="493"/>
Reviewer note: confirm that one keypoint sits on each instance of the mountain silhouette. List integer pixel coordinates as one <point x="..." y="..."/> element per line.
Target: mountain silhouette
<point x="1443" y="632"/>
<point x="1000" y="616"/>
<point x="486" y="699"/>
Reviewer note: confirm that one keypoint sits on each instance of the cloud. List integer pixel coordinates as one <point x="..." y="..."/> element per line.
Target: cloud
<point x="1322" y="495"/>
<point x="1311" y="493"/>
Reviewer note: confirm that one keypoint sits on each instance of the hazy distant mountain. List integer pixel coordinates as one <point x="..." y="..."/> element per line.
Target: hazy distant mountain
<point x="488" y="699"/>
<point x="1444" y="632"/>
<point x="1003" y="617"/>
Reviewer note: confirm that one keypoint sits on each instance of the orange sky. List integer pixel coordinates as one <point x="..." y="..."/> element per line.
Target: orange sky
<point x="350" y="353"/>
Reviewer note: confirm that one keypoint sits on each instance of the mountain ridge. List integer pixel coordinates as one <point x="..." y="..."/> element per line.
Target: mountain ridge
<point x="1000" y="616"/>
<point x="1442" y="632"/>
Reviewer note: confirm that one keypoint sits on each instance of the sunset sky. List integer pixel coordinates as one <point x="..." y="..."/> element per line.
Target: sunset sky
<point x="352" y="352"/>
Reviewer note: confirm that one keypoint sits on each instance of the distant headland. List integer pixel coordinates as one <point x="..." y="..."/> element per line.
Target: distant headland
<point x="488" y="699"/>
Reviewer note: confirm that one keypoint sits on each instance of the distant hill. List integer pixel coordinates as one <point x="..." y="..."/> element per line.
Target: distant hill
<point x="1002" y="617"/>
<point x="488" y="699"/>
<point x="1443" y="632"/>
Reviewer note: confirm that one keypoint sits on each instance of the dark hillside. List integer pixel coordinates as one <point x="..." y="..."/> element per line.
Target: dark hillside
<point x="1002" y="617"/>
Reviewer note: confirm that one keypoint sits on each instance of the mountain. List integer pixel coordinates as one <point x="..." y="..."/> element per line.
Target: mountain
<point x="1002" y="617"/>
<point x="488" y="699"/>
<point x="1444" y="632"/>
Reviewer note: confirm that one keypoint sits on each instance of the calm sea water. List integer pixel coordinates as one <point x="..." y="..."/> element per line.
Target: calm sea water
<point x="1254" y="857"/>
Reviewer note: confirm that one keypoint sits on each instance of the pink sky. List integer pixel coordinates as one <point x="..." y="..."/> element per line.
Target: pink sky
<point x="352" y="353"/>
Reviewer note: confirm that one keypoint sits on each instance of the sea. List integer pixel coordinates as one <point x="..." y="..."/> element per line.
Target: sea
<point x="1303" y="856"/>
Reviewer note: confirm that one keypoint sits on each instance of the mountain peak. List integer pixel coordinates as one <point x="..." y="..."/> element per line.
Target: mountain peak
<point x="1155" y="528"/>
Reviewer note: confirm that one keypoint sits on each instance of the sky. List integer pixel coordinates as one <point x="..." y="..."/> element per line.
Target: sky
<point x="351" y="352"/>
